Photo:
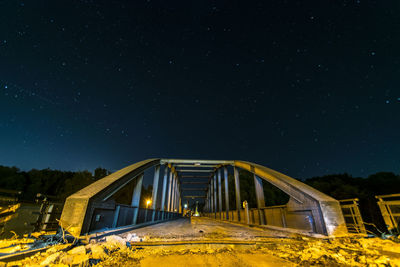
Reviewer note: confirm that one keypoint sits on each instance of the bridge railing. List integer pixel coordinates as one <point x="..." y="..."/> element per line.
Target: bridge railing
<point x="352" y="216"/>
<point x="389" y="206"/>
<point x="277" y="216"/>
<point x="124" y="215"/>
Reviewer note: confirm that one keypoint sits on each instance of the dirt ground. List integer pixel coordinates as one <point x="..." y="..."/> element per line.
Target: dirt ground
<point x="202" y="228"/>
<point x="205" y="242"/>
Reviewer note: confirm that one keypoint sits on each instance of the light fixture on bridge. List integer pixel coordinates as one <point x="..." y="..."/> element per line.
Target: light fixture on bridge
<point x="148" y="202"/>
<point x="197" y="164"/>
<point x="185" y="206"/>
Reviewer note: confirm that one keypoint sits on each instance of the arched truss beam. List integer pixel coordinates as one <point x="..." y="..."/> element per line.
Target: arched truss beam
<point x="78" y="211"/>
<point x="305" y="202"/>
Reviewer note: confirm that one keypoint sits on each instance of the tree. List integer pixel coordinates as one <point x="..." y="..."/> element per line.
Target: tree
<point x="100" y="173"/>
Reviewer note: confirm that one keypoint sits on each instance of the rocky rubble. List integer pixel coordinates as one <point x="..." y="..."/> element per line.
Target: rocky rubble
<point x="303" y="251"/>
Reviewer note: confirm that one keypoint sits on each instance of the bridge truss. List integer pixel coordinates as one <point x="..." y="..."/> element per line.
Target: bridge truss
<point x="99" y="206"/>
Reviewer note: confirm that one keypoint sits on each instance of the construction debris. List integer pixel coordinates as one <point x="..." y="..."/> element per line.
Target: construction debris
<point x="221" y="244"/>
<point x="302" y="251"/>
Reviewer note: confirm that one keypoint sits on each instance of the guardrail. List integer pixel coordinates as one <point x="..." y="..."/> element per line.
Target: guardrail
<point x="277" y="216"/>
<point x="352" y="216"/>
<point x="389" y="206"/>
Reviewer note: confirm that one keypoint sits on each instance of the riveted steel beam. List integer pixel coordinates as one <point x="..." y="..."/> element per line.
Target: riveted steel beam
<point x="194" y="189"/>
<point x="194" y="176"/>
<point x="197" y="161"/>
<point x="185" y="170"/>
<point x="194" y="166"/>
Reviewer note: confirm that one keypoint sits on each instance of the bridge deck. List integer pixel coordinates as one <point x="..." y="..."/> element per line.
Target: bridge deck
<point x="201" y="241"/>
<point x="202" y="229"/>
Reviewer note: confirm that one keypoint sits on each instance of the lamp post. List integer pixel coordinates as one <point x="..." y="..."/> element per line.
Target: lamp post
<point x="148" y="202"/>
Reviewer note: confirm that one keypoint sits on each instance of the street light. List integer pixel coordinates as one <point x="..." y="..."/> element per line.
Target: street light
<point x="148" y="201"/>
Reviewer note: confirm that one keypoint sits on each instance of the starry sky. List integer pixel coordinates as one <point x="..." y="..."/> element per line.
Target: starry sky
<point x="304" y="87"/>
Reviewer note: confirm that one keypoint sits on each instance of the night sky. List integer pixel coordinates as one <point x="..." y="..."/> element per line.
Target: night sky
<point x="304" y="87"/>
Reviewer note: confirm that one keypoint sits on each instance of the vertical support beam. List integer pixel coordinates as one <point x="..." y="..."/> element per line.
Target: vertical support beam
<point x="164" y="191"/>
<point x="176" y="193"/>
<point x="215" y="196"/>
<point x="226" y="193"/>
<point x="219" y="194"/>
<point x="169" y="191"/>
<point x="155" y="190"/>
<point x="116" y="215"/>
<point x="173" y="192"/>
<point x="237" y="191"/>
<point x="181" y="200"/>
<point x="207" y="201"/>
<point x="136" y="197"/>
<point x="246" y="211"/>
<point x="260" y="198"/>
<point x="178" y="199"/>
<point x="211" y="195"/>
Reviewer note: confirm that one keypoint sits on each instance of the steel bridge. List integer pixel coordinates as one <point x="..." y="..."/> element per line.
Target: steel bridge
<point x="114" y="202"/>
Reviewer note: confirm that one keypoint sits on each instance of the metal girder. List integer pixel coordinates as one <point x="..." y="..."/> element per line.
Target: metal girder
<point x="169" y="198"/>
<point x="226" y="193"/>
<point x="155" y="190"/>
<point x="194" y="182"/>
<point x="164" y="189"/>
<point x="219" y="193"/>
<point x="258" y="186"/>
<point x="184" y="170"/>
<point x="194" y="196"/>
<point x="194" y="189"/>
<point x="237" y="192"/>
<point x="136" y="198"/>
<point x="215" y="195"/>
<point x="194" y="176"/>
<point x="197" y="161"/>
<point x="194" y="166"/>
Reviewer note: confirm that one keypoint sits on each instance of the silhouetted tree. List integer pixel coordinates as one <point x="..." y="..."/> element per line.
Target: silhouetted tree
<point x="100" y="173"/>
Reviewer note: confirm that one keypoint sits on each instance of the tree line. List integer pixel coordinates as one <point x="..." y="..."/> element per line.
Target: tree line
<point x="53" y="183"/>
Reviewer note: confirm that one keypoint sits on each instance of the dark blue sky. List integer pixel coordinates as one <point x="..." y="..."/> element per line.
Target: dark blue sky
<point x="305" y="87"/>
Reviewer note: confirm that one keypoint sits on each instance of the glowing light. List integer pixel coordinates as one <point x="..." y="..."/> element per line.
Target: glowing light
<point x="148" y="202"/>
